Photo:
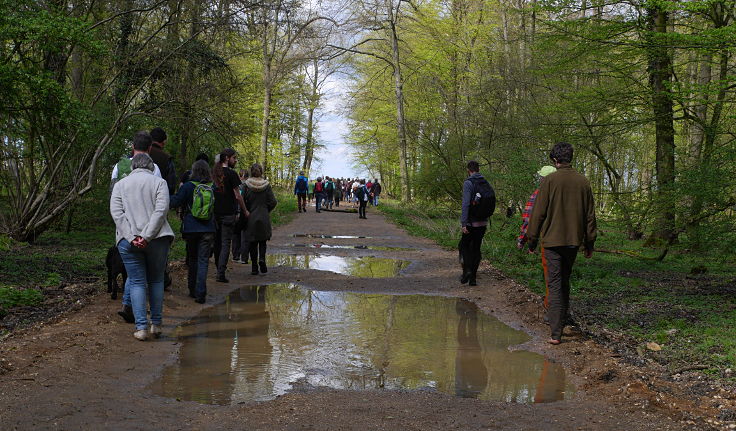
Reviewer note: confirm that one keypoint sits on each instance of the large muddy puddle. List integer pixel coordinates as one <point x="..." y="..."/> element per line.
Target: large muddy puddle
<point x="352" y="247"/>
<point x="367" y="267"/>
<point x="323" y="236"/>
<point x="264" y="341"/>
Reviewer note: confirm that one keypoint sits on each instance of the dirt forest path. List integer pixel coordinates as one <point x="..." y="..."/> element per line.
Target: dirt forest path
<point x="85" y="371"/>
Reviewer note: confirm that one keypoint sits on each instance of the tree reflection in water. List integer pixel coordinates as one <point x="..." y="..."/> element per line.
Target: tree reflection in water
<point x="264" y="341"/>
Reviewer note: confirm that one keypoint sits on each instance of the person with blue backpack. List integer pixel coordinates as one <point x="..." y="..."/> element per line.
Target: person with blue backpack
<point x="479" y="202"/>
<point x="329" y="192"/>
<point x="301" y="188"/>
<point x="197" y="199"/>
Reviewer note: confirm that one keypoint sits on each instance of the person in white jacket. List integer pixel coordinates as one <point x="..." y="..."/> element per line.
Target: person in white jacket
<point x="139" y="205"/>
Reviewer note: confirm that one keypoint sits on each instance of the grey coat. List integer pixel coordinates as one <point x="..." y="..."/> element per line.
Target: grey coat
<point x="139" y="205"/>
<point x="260" y="201"/>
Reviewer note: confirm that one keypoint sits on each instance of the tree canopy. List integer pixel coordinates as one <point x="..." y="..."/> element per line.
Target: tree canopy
<point x="643" y="89"/>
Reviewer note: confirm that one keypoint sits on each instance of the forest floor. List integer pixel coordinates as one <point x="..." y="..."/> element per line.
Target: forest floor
<point x="83" y="369"/>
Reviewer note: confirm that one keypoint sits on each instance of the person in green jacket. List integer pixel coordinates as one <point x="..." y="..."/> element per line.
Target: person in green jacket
<point x="564" y="219"/>
<point x="311" y="191"/>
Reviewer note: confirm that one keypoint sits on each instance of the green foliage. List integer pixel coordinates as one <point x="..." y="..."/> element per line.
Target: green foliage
<point x="486" y="85"/>
<point x="285" y="209"/>
<point x="5" y="243"/>
<point x="11" y="297"/>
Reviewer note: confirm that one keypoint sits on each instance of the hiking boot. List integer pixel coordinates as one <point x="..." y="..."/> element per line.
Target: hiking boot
<point x="465" y="277"/>
<point x="262" y="265"/>
<point x="141" y="335"/>
<point x="127" y="314"/>
<point x="472" y="281"/>
<point x="155" y="331"/>
<point x="200" y="300"/>
<point x="222" y="279"/>
<point x="254" y="269"/>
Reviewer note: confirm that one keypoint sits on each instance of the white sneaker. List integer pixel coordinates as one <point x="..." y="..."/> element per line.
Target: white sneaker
<point x="141" y="335"/>
<point x="155" y="331"/>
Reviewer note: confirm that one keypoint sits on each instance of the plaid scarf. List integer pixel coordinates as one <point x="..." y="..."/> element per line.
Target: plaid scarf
<point x="525" y="216"/>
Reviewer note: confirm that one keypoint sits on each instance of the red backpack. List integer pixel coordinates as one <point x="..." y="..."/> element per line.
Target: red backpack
<point x="318" y="187"/>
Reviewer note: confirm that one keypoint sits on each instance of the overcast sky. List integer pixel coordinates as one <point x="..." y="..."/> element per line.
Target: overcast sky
<point x="334" y="159"/>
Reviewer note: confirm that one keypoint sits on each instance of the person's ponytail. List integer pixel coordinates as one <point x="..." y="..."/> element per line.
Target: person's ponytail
<point x="218" y="172"/>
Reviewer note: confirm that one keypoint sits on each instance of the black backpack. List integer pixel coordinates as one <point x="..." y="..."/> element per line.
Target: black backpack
<point x="482" y="207"/>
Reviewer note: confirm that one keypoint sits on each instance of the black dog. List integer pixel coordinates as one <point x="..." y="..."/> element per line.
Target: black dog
<point x="115" y="267"/>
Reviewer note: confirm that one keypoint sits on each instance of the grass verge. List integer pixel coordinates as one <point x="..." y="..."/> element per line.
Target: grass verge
<point x="686" y="304"/>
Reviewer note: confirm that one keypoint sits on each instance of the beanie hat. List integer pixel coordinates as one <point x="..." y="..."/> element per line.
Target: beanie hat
<point x="546" y="170"/>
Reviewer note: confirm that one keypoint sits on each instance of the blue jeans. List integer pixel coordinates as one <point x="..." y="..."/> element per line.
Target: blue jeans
<point x="375" y="200"/>
<point x="198" y="262"/>
<point x="126" y="293"/>
<point x="320" y="197"/>
<point x="145" y="268"/>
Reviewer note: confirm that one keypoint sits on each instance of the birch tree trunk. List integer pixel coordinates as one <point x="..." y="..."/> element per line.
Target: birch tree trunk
<point x="309" y="144"/>
<point x="399" y="91"/>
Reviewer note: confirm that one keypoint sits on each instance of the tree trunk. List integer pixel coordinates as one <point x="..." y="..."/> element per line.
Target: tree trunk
<point x="400" y="120"/>
<point x="265" y="124"/>
<point x="660" y="77"/>
<point x="186" y="127"/>
<point x="309" y="144"/>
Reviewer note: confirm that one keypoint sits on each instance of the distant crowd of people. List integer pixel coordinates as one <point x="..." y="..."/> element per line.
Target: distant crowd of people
<point x="219" y="208"/>
<point x="329" y="192"/>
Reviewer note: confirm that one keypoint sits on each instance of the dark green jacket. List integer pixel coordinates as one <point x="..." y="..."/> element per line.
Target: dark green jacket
<point x="564" y="212"/>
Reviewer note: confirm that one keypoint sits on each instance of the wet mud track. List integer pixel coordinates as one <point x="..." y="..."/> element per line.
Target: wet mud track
<point x="85" y="370"/>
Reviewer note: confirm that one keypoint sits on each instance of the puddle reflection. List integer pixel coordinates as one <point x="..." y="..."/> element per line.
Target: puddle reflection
<point x="357" y="247"/>
<point x="264" y="341"/>
<point x="319" y="235"/>
<point x="366" y="266"/>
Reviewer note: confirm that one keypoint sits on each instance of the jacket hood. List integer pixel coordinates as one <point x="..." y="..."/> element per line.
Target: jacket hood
<point x="256" y="184"/>
<point x="476" y="175"/>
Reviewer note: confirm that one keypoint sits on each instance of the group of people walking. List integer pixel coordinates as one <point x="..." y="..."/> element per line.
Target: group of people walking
<point x="329" y="192"/>
<point x="219" y="210"/>
<point x="223" y="210"/>
<point x="559" y="217"/>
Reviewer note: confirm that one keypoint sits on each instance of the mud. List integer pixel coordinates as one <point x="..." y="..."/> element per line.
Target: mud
<point x="85" y="370"/>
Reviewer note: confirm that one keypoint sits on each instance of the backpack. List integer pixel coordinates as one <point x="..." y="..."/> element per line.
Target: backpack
<point x="203" y="201"/>
<point x="330" y="187"/>
<point x="318" y="187"/>
<point x="362" y="193"/>
<point x="125" y="167"/>
<point x="483" y="203"/>
<point x="301" y="184"/>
